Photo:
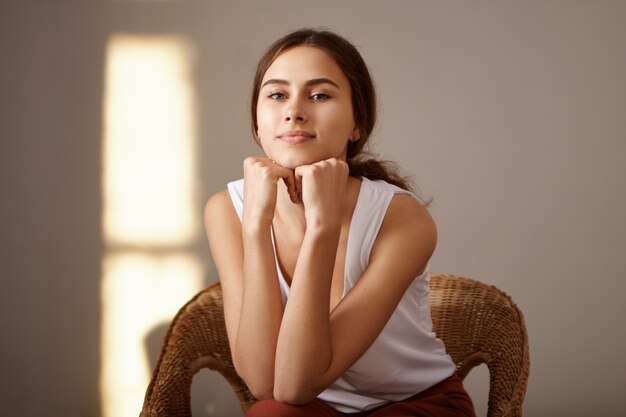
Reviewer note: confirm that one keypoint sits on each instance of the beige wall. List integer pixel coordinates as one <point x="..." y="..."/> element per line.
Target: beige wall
<point x="509" y="114"/>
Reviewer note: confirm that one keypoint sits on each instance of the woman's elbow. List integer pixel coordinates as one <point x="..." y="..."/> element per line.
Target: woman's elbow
<point x="261" y="391"/>
<point x="260" y="388"/>
<point x="265" y="390"/>
<point x="290" y="394"/>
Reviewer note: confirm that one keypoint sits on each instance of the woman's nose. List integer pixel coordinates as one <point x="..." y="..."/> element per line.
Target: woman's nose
<point x="294" y="117"/>
<point x="295" y="113"/>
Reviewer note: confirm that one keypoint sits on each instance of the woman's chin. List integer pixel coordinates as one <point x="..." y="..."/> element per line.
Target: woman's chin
<point x="293" y="163"/>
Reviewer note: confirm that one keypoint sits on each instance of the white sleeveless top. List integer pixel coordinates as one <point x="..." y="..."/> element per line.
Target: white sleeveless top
<point x="407" y="357"/>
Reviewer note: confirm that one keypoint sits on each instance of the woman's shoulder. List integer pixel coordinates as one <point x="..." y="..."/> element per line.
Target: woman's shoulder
<point x="226" y="199"/>
<point x="408" y="208"/>
<point x="220" y="217"/>
<point x="398" y="212"/>
<point x="217" y="203"/>
<point x="408" y="233"/>
<point x="393" y="201"/>
<point x="407" y="216"/>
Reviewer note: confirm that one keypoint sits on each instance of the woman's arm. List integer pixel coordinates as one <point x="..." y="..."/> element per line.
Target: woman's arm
<point x="315" y="348"/>
<point x="251" y="342"/>
<point x="245" y="261"/>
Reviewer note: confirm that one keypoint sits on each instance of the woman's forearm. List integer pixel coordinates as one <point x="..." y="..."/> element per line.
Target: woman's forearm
<point x="261" y="312"/>
<point x="304" y="350"/>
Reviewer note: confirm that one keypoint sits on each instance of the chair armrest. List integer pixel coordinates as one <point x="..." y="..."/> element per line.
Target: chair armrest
<point x="196" y="339"/>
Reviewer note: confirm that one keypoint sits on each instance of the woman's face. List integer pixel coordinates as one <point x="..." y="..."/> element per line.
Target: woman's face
<point x="304" y="111"/>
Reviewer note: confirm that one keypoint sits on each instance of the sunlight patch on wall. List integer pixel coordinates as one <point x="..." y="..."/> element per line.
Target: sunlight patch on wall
<point x="149" y="142"/>
<point x="139" y="292"/>
<point x="150" y="213"/>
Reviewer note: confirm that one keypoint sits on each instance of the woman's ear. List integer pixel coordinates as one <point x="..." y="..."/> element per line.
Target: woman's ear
<point x="355" y="135"/>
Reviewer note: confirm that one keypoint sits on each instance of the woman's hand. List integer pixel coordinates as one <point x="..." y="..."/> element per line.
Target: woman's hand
<point x="323" y="187"/>
<point x="261" y="176"/>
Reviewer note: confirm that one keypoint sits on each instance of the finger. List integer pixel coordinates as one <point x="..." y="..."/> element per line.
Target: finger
<point x="279" y="172"/>
<point x="298" y="174"/>
<point x="290" y="182"/>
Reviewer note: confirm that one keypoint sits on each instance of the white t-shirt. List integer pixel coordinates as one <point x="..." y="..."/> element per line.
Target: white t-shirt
<point x="407" y="357"/>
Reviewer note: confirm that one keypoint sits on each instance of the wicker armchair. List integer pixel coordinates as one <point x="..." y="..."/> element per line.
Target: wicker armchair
<point x="478" y="324"/>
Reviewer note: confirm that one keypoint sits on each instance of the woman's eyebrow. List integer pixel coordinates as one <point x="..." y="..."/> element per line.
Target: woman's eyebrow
<point x="308" y="83"/>
<point x="317" y="81"/>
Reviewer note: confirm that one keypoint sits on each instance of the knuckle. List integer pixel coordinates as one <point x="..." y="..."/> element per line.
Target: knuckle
<point x="250" y="161"/>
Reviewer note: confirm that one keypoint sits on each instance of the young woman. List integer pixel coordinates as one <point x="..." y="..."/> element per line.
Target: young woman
<point x="322" y="253"/>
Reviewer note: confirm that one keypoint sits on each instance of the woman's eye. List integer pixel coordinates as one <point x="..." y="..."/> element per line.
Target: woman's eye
<point x="276" y="96"/>
<point x="320" y="96"/>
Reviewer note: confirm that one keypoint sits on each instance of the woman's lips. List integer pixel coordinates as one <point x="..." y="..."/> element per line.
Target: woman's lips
<point x="295" y="137"/>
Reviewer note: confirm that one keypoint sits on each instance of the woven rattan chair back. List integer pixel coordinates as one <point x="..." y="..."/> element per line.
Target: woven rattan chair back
<point x="478" y="324"/>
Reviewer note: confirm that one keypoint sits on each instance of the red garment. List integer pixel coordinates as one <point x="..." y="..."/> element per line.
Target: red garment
<point x="446" y="399"/>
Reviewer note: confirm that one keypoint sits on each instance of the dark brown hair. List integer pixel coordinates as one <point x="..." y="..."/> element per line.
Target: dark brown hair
<point x="349" y="60"/>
